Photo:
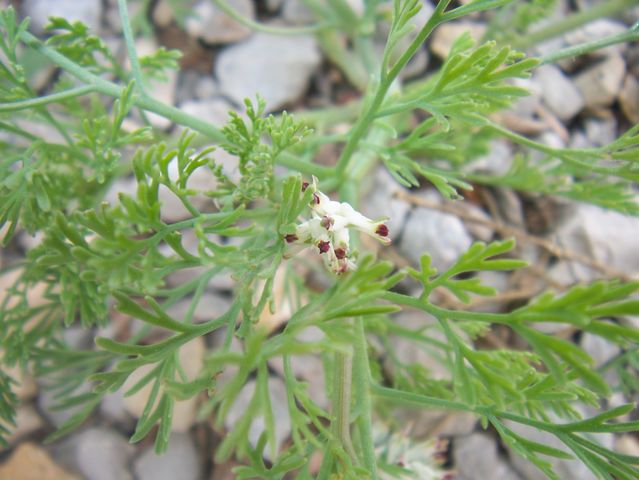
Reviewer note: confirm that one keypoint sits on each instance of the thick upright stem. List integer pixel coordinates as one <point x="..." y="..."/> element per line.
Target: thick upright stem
<point x="362" y="381"/>
<point x="130" y="46"/>
<point x="386" y="80"/>
<point x="342" y="400"/>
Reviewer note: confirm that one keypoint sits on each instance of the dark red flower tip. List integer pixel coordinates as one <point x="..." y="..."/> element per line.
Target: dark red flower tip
<point x="316" y="199"/>
<point x="323" y="246"/>
<point x="382" y="230"/>
<point x="327" y="222"/>
<point x="305" y="186"/>
<point x="291" y="237"/>
<point x="340" y="253"/>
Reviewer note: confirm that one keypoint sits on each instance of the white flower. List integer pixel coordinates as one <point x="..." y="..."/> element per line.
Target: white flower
<point x="327" y="230"/>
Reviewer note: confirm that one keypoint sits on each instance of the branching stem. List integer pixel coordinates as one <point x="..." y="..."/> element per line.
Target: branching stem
<point x="630" y="35"/>
<point x="105" y="87"/>
<point x="136" y="69"/>
<point x="566" y="24"/>
<point x="386" y="80"/>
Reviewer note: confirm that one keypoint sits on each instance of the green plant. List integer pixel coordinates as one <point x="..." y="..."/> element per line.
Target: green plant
<point x="95" y="257"/>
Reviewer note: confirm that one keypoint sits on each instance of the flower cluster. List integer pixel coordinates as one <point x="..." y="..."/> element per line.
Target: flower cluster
<point x="328" y="230"/>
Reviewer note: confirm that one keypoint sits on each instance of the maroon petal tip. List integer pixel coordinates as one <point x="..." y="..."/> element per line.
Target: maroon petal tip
<point x="323" y="246"/>
<point x="382" y="230"/>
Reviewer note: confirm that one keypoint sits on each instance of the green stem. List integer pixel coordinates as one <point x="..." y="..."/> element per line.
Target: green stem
<point x="566" y="24"/>
<point x="130" y="46"/>
<point x="176" y="115"/>
<point x="628" y="36"/>
<point x="386" y="80"/>
<point x="415" y="398"/>
<point x="401" y="299"/>
<point x="260" y="27"/>
<point x="433" y="402"/>
<point x="342" y="400"/>
<point x="41" y="101"/>
<point x="362" y="379"/>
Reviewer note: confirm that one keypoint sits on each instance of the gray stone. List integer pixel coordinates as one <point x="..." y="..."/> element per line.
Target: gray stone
<point x="221" y="281"/>
<point x="497" y="161"/>
<point x="603" y="235"/>
<point x="441" y="235"/>
<point x="479" y="230"/>
<point x="381" y="202"/>
<point x="78" y="338"/>
<point x="600" y="84"/>
<point x="296" y="12"/>
<point x="98" y="454"/>
<point x="601" y="131"/>
<point x="214" y="110"/>
<point x="213" y="26"/>
<point x="279" y="403"/>
<point x="206" y="88"/>
<point x="112" y="407"/>
<point x="275" y="67"/>
<point x="86" y="11"/>
<point x="410" y="350"/>
<point x="179" y="461"/>
<point x="497" y="280"/>
<point x="559" y="94"/>
<point x="597" y="30"/>
<point x="523" y="114"/>
<point x="307" y="368"/>
<point x="476" y="458"/>
<point x="123" y="185"/>
<point x="47" y="402"/>
<point x="600" y="349"/>
<point x="211" y="305"/>
<point x="561" y="10"/>
<point x="273" y="5"/>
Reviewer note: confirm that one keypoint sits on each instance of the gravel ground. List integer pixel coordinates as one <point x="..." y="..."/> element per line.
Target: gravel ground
<point x="572" y="105"/>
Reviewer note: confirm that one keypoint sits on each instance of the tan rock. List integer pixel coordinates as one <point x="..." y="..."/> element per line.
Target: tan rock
<point x="25" y="387"/>
<point x="283" y="294"/>
<point x="445" y="36"/>
<point x="213" y="26"/>
<point x="629" y="98"/>
<point x="163" y="14"/>
<point x="600" y="84"/>
<point x="35" y="295"/>
<point x="29" y="462"/>
<point x="27" y="421"/>
<point x="627" y="444"/>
